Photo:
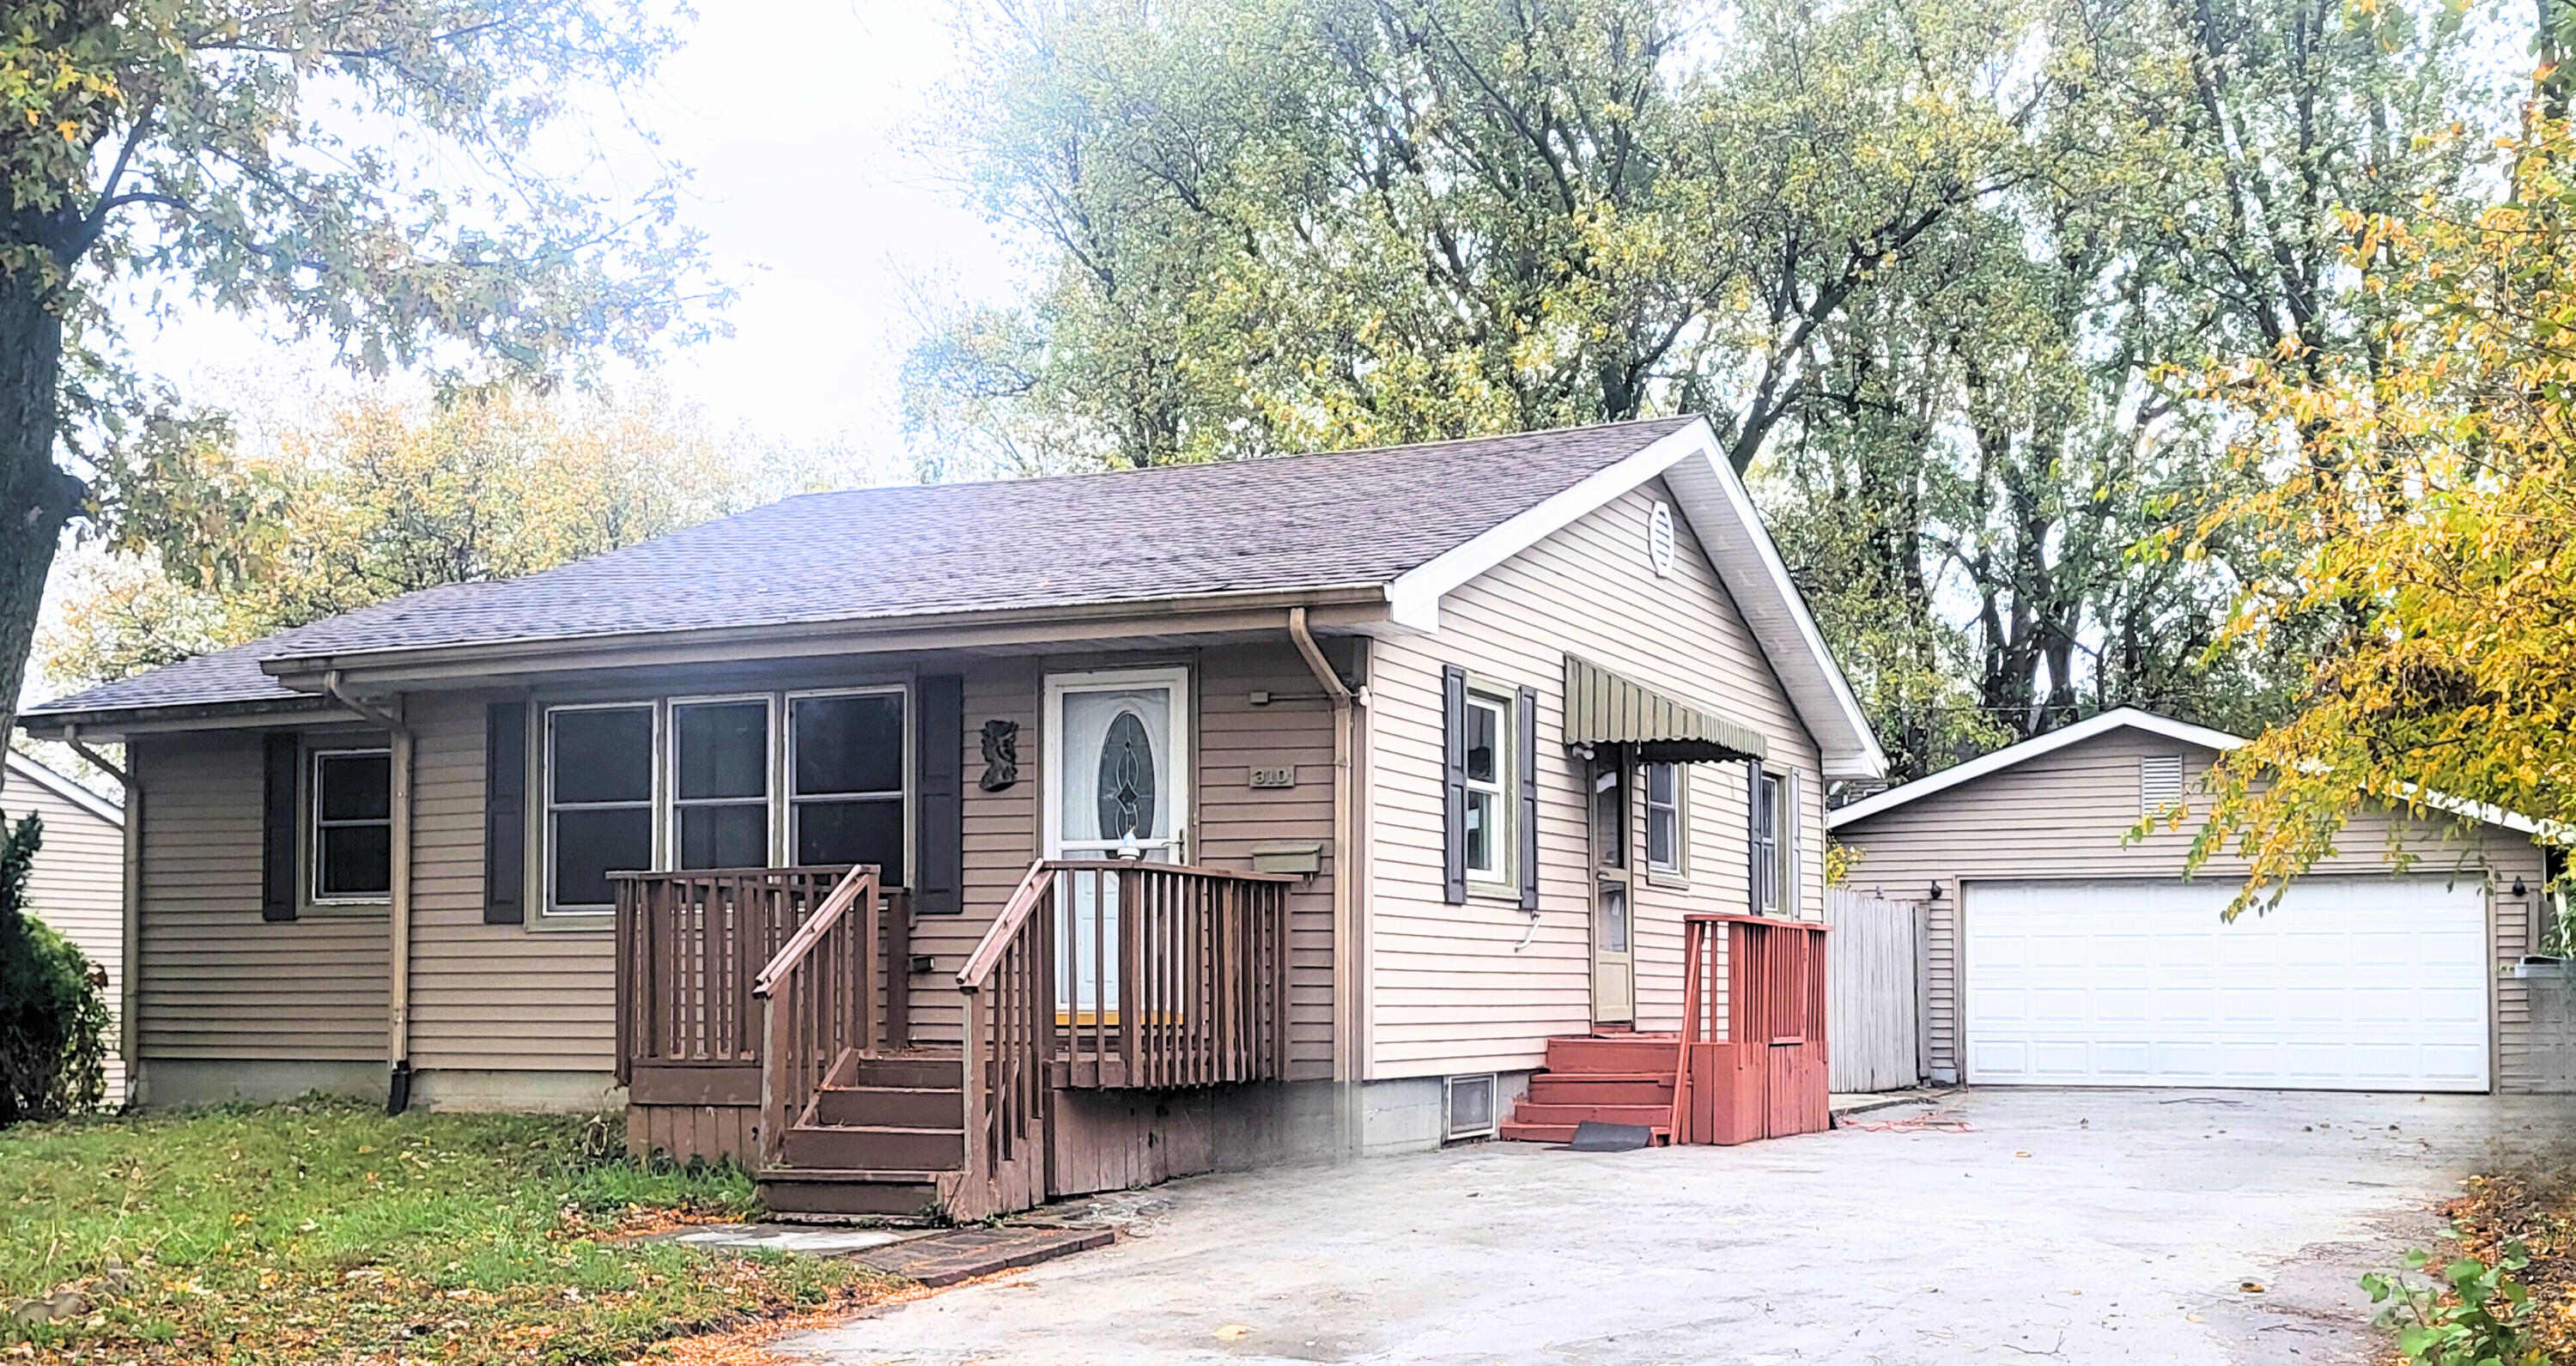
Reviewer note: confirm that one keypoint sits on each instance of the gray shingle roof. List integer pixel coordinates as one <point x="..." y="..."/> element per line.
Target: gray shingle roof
<point x="1309" y="521"/>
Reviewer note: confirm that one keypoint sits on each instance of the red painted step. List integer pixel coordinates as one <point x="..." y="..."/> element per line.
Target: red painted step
<point x="1633" y="1053"/>
<point x="1554" y="1088"/>
<point x="1571" y="1115"/>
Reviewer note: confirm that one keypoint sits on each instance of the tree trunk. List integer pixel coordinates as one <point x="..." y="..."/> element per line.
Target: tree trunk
<point x="36" y="496"/>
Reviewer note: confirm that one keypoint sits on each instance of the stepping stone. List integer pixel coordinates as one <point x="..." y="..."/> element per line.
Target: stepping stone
<point x="962" y="1254"/>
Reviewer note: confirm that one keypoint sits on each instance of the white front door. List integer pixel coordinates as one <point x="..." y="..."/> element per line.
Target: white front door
<point x="2364" y="984"/>
<point x="1116" y="774"/>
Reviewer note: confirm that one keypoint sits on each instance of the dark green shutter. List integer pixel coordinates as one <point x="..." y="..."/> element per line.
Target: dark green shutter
<point x="939" y="812"/>
<point x="1453" y="846"/>
<point x="277" y="840"/>
<point x="505" y="813"/>
<point x="1528" y="824"/>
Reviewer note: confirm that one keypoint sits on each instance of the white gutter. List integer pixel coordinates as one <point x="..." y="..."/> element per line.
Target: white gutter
<point x="129" y="978"/>
<point x="398" y="951"/>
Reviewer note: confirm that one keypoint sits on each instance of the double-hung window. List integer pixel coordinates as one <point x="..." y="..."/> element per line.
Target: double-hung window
<point x="847" y="774"/>
<point x="1774" y="835"/>
<point x="1488" y="721"/>
<point x="1663" y="784"/>
<point x="599" y="802"/>
<point x="720" y="783"/>
<point x="353" y="829"/>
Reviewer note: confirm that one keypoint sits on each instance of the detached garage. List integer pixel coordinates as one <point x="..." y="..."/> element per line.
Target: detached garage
<point x="2061" y="954"/>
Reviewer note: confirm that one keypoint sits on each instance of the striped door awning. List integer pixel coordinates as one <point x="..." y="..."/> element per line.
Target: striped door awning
<point x="1604" y="708"/>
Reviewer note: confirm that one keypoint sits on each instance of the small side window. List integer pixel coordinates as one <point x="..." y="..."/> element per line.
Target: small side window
<point x="1664" y="826"/>
<point x="353" y="829"/>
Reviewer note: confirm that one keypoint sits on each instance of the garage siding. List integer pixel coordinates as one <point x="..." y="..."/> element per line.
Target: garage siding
<point x="2066" y="814"/>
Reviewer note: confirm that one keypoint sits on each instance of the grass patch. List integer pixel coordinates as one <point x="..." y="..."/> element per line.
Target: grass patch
<point x="324" y="1230"/>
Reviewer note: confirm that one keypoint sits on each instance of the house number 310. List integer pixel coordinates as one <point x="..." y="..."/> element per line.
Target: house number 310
<point x="1274" y="777"/>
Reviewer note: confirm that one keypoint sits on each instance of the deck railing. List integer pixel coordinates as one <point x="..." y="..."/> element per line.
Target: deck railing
<point x="818" y="999"/>
<point x="1762" y="1074"/>
<point x="1118" y="973"/>
<point x="690" y="946"/>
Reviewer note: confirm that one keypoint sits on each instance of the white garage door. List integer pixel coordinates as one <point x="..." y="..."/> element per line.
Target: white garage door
<point x="2359" y="984"/>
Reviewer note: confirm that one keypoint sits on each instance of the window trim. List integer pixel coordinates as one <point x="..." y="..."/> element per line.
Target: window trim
<point x="1502" y="880"/>
<point x="309" y="829"/>
<point x="666" y="822"/>
<point x="1765" y="798"/>
<point x="784" y="794"/>
<point x="1677" y="872"/>
<point x="543" y="754"/>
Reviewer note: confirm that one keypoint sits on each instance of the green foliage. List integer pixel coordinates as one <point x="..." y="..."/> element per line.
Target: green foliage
<point x="325" y="1230"/>
<point x="2476" y="1314"/>
<point x="53" y="1015"/>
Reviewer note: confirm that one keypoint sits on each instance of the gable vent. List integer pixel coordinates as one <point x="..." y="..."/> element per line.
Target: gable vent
<point x="1471" y="1107"/>
<point x="2159" y="782"/>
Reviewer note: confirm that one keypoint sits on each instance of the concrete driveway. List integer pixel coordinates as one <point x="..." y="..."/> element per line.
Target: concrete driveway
<point x="2069" y="1226"/>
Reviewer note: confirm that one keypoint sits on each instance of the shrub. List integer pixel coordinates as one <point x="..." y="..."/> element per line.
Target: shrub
<point x="53" y="1012"/>
<point x="2473" y="1317"/>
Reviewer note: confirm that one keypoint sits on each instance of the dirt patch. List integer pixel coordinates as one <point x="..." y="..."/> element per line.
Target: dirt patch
<point x="2536" y="1204"/>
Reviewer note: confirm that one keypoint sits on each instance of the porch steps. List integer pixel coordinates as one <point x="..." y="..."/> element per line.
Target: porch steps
<point x="1612" y="1079"/>
<point x="875" y="1141"/>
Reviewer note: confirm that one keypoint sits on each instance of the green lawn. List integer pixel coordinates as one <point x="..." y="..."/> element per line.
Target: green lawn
<point x="324" y="1230"/>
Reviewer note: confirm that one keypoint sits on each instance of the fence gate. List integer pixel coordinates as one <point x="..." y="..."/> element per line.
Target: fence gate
<point x="1873" y="991"/>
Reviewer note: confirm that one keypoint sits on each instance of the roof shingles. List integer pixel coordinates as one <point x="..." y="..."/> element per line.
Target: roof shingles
<point x="1311" y="521"/>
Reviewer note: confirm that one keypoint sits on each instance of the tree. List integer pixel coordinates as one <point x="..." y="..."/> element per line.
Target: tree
<point x="369" y="172"/>
<point x="376" y="497"/>
<point x="2420" y="497"/>
<point x="1274" y="225"/>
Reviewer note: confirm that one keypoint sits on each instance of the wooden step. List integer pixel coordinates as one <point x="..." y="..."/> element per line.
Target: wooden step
<point x="865" y="1146"/>
<point x="907" y="1070"/>
<point x="884" y="1194"/>
<point x="1633" y="1054"/>
<point x="1583" y="1088"/>
<point x="1518" y="1132"/>
<point x="910" y="1107"/>
<point x="1569" y="1115"/>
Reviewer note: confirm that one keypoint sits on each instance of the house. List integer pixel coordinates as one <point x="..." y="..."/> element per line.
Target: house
<point x="76" y="885"/>
<point x="2062" y="951"/>
<point x="969" y="844"/>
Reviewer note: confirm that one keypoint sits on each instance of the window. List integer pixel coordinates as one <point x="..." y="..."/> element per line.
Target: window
<point x="353" y="827"/>
<point x="808" y="779"/>
<point x="1663" y="818"/>
<point x="599" y="802"/>
<point x="1767" y="841"/>
<point x="720" y="783"/>
<point x="847" y="780"/>
<point x="1488" y="721"/>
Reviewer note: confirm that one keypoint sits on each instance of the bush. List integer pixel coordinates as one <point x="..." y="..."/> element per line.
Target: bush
<point x="2474" y="1315"/>
<point x="53" y="1011"/>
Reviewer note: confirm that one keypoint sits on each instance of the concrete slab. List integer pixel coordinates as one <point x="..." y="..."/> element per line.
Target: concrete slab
<point x="2076" y="1226"/>
<point x="811" y="1239"/>
<point x="962" y="1254"/>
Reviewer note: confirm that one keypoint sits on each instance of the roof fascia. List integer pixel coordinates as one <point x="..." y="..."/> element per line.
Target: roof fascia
<point x="1349" y="608"/>
<point x="2119" y="718"/>
<point x="119" y="723"/>
<point x="44" y="776"/>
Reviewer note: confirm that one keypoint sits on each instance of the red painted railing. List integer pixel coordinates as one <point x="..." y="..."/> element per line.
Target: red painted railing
<point x="1764" y="1075"/>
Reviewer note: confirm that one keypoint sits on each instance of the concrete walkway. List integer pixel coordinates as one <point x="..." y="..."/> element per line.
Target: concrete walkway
<point x="2069" y="1226"/>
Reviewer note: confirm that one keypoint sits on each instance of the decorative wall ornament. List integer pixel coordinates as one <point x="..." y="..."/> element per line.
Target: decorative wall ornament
<point x="1001" y="755"/>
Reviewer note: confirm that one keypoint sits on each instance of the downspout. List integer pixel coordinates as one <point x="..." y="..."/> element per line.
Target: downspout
<point x="129" y="909"/>
<point x="1350" y="1055"/>
<point x="398" y="951"/>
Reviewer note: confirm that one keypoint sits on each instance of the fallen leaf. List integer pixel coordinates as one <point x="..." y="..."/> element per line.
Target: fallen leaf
<point x="1231" y="1331"/>
<point x="2250" y="1287"/>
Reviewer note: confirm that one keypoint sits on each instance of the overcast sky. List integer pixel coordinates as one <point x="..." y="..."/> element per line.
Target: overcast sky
<point x="790" y="114"/>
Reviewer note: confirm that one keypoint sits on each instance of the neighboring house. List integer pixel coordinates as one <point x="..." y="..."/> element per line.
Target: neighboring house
<point x="1324" y="699"/>
<point x="2063" y="952"/>
<point x="78" y="882"/>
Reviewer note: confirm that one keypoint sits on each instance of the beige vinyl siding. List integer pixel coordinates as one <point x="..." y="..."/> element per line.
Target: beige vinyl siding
<point x="77" y="886"/>
<point x="536" y="997"/>
<point x="215" y="981"/>
<point x="2066" y="814"/>
<point x="1451" y="990"/>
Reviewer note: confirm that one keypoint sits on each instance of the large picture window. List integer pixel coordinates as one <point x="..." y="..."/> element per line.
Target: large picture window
<point x="599" y="802"/>
<point x="353" y="829"/>
<point x="807" y="778"/>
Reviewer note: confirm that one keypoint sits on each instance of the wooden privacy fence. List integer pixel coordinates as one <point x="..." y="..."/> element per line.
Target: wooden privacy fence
<point x="1874" y="991"/>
